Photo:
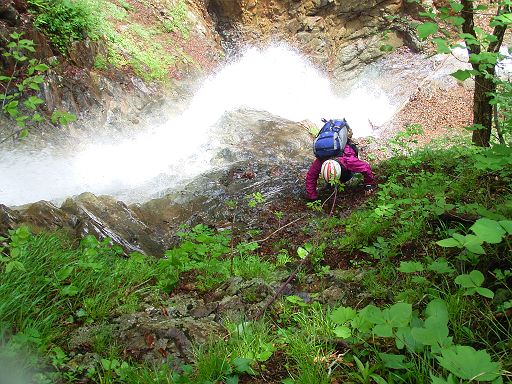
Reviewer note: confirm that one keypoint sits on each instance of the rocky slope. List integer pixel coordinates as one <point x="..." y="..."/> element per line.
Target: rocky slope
<point x="338" y="36"/>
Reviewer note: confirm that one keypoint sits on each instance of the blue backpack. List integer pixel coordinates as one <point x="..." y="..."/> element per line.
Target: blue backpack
<point x="331" y="139"/>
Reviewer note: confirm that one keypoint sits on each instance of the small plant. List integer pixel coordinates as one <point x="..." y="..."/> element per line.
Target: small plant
<point x="402" y="142"/>
<point x="18" y="239"/>
<point x="255" y="199"/>
<point x="178" y="21"/>
<point x="366" y="374"/>
<point x="19" y="85"/>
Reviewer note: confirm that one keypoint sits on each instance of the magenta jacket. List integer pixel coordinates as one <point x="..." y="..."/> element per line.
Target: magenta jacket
<point x="349" y="160"/>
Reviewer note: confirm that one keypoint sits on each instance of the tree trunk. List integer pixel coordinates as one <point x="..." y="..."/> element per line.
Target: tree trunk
<point x="484" y="83"/>
<point x="482" y="110"/>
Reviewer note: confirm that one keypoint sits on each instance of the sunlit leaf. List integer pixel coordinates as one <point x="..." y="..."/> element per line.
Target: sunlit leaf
<point x="469" y="364"/>
<point x="411" y="267"/>
<point x="488" y="230"/>
<point x="474" y="279"/>
<point x="342" y="315"/>
<point x="427" y="29"/>
<point x="462" y="74"/>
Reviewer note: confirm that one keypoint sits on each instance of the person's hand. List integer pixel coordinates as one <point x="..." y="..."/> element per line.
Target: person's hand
<point x="369" y="189"/>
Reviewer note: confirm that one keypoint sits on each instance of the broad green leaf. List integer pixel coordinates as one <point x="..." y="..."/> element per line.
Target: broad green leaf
<point x="342" y="331"/>
<point x="455" y="20"/>
<point x="411" y="267"/>
<point x="232" y="379"/>
<point x="398" y="315"/>
<point x="435" y="336"/>
<point x="440" y="265"/>
<point x="64" y="273"/>
<point x="438" y="380"/>
<point x="456" y="6"/>
<point x="474" y="279"/>
<point x="471" y="242"/>
<point x="469" y="364"/>
<point x="383" y="330"/>
<point x="507" y="224"/>
<point x="449" y="243"/>
<point x="437" y="309"/>
<point x="505" y="18"/>
<point x="404" y="338"/>
<point x="427" y="29"/>
<point x="378" y="379"/>
<point x="14" y="265"/>
<point x="442" y="46"/>
<point x="462" y="74"/>
<point x="419" y="280"/>
<point x="243" y="365"/>
<point x="469" y="39"/>
<point x="41" y="67"/>
<point x="430" y="15"/>
<point x="485" y="292"/>
<point x="372" y="314"/>
<point x="484" y="58"/>
<point x="362" y="324"/>
<point x="394" y="361"/>
<point x="342" y="315"/>
<point x="302" y="252"/>
<point x="488" y="230"/>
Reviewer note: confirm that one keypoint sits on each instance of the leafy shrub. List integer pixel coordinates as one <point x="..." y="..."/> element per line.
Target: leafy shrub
<point x="64" y="21"/>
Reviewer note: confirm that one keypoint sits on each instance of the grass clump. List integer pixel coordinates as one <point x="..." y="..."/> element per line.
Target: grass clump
<point x="47" y="283"/>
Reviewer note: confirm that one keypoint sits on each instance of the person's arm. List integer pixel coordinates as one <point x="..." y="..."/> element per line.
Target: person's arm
<point x="312" y="179"/>
<point x="352" y="163"/>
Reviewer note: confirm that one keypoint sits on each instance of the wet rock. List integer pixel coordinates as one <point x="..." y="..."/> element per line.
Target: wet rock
<point x="104" y="216"/>
<point x="8" y="218"/>
<point x="9" y="13"/>
<point x="322" y="29"/>
<point x="231" y="306"/>
<point x="204" y="310"/>
<point x="45" y="215"/>
<point x="183" y="305"/>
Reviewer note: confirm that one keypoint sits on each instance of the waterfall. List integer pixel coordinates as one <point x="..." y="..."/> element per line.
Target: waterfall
<point x="276" y="79"/>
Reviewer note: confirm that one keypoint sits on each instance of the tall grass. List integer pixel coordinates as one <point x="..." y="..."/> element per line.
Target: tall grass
<point x="59" y="284"/>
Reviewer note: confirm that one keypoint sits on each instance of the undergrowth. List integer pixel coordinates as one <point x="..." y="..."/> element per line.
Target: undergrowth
<point x="431" y="263"/>
<point x="150" y="51"/>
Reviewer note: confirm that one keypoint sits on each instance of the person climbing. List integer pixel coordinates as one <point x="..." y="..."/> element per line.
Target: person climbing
<point x="334" y="141"/>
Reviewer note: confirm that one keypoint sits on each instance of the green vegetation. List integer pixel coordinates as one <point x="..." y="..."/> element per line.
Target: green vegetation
<point x="20" y="86"/>
<point x="65" y="21"/>
<point x="148" y="50"/>
<point x="426" y="298"/>
<point x="480" y="27"/>
<point x="431" y="251"/>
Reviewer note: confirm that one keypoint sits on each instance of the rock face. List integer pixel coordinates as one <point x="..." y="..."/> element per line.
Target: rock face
<point x="150" y="227"/>
<point x="338" y="35"/>
<point x="105" y="99"/>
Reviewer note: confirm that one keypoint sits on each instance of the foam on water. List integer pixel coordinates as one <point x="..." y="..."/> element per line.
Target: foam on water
<point x="276" y="79"/>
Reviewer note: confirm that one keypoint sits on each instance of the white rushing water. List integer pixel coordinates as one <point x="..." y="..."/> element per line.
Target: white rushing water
<point x="276" y="79"/>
